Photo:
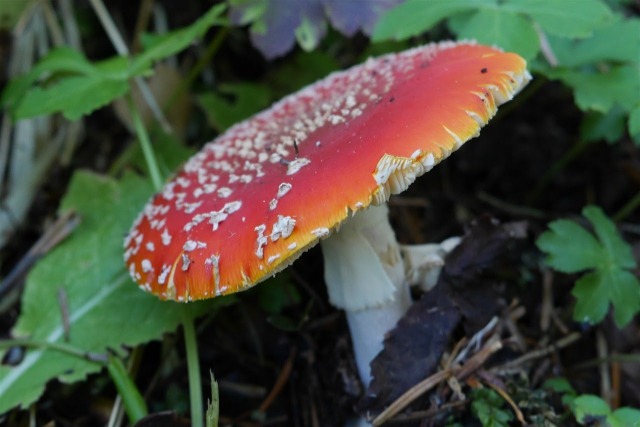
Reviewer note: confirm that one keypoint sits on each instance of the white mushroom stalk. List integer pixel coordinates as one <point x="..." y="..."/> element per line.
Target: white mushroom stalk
<point x="365" y="277"/>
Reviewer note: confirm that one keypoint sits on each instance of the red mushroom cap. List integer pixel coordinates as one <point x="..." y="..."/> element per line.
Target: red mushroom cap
<point x="270" y="187"/>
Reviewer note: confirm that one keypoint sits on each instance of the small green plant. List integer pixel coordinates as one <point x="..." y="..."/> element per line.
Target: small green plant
<point x="608" y="259"/>
<point x="587" y="408"/>
<point x="488" y="407"/>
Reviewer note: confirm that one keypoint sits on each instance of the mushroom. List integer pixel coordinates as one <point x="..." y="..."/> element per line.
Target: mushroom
<point x="319" y="165"/>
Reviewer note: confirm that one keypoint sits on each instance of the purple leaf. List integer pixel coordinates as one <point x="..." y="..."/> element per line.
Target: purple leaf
<point x="350" y="16"/>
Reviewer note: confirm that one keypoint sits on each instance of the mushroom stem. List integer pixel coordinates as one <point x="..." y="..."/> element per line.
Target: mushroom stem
<point x="364" y="273"/>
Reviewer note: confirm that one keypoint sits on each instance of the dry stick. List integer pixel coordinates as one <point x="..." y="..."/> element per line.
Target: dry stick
<point x="55" y="234"/>
<point x="545" y="47"/>
<point x="536" y="354"/>
<point x="64" y="312"/>
<point x="605" y="380"/>
<point x="493" y="344"/>
<point x="144" y="15"/>
<point x="281" y="381"/>
<point x="121" y="48"/>
<point x="509" y="400"/>
<point x="547" y="301"/>
<point x="430" y="413"/>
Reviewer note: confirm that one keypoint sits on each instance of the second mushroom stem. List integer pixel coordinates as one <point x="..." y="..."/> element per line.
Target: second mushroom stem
<point x="365" y="276"/>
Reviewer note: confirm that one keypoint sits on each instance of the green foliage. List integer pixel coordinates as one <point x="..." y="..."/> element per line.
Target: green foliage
<point x="588" y="407"/>
<point x="488" y="407"/>
<point x="572" y="249"/>
<point x="602" y="71"/>
<point x="133" y="401"/>
<point x="246" y="99"/>
<point x="213" y="408"/>
<point x="88" y="267"/>
<point x="559" y="17"/>
<point x="66" y="81"/>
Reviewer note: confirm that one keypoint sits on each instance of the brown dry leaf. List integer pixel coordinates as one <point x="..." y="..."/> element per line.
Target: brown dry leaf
<point x="467" y="291"/>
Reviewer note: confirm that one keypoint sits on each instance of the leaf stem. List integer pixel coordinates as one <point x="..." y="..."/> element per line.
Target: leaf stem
<point x="193" y="367"/>
<point x="133" y="401"/>
<point x="145" y="144"/>
<point x="631" y="206"/>
<point x="555" y="168"/>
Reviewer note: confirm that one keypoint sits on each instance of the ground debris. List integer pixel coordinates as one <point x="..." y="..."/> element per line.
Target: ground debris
<point x="465" y="294"/>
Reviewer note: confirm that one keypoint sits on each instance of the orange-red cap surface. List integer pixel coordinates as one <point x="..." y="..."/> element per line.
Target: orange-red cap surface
<point x="252" y="200"/>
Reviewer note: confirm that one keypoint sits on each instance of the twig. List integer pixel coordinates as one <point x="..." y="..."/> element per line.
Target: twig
<point x="547" y="300"/>
<point x="55" y="234"/>
<point x="64" y="312"/>
<point x="536" y="354"/>
<point x="545" y="47"/>
<point x="281" y="381"/>
<point x="605" y="380"/>
<point x="493" y="344"/>
<point x="508" y="399"/>
<point x="510" y="208"/>
<point x="121" y="47"/>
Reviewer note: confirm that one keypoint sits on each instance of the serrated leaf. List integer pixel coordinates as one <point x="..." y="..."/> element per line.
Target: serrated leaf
<point x="73" y="96"/>
<point x="619" y="254"/>
<point x="498" y="27"/>
<point x="600" y="91"/>
<point x="487" y="406"/>
<point x="414" y="17"/>
<point x="569" y="247"/>
<point x="59" y="60"/>
<point x="609" y="127"/>
<point x="565" y="18"/>
<point x="603" y="45"/>
<point x="169" y="44"/>
<point x="106" y="310"/>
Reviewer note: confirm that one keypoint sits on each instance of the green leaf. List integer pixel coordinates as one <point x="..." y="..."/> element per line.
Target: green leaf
<point x="565" y="18"/>
<point x="559" y="385"/>
<point x="603" y="45"/>
<point x="168" y="44"/>
<point x="634" y="121"/>
<point x="571" y="249"/>
<point x="625" y="417"/>
<point x="62" y="60"/>
<point x="414" y="17"/>
<point x="309" y="33"/>
<point x="233" y="103"/>
<point x="213" y="407"/>
<point x="106" y="310"/>
<point x="487" y="406"/>
<point x="609" y="127"/>
<point x="600" y="91"/>
<point x="498" y="27"/>
<point x="618" y="252"/>
<point x="73" y="96"/>
<point x="132" y="399"/>
<point x="588" y="405"/>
